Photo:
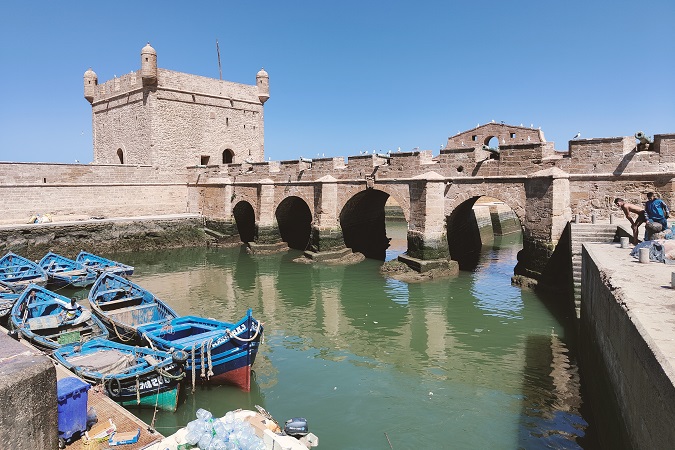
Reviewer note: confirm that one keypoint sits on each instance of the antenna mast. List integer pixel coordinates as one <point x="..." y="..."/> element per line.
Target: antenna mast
<point x="220" y="70"/>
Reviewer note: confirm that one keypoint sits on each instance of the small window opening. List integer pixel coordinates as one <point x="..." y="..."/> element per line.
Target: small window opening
<point x="204" y="160"/>
<point x="513" y="135"/>
<point x="474" y="138"/>
<point x="228" y="156"/>
<point x="120" y="155"/>
<point x="44" y="180"/>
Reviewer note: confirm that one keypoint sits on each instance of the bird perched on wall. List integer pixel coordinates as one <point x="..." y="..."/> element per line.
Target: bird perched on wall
<point x="577" y="135"/>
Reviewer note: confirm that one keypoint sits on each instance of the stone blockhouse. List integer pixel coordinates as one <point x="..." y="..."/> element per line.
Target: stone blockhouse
<point x="173" y="120"/>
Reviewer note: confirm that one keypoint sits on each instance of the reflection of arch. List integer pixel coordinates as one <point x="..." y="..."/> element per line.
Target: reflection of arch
<point x="228" y="156"/>
<point x="120" y="155"/>
<point x="244" y="217"/>
<point x="294" y="219"/>
<point x="362" y="223"/>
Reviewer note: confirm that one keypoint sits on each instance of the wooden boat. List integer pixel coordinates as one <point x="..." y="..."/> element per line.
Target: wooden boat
<point x="18" y="272"/>
<point x="99" y="264"/>
<point x="132" y="376"/>
<point x="124" y="306"/>
<point x="218" y="352"/>
<point x="49" y="320"/>
<point x="62" y="271"/>
<point x="7" y="299"/>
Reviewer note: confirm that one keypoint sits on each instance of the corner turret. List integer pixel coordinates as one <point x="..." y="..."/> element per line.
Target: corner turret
<point x="90" y="83"/>
<point x="149" y="65"/>
<point x="263" y="83"/>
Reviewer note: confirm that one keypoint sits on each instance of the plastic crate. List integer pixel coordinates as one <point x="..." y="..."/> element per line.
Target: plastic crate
<point x="71" y="394"/>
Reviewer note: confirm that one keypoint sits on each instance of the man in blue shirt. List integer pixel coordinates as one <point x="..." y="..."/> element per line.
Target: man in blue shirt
<point x="656" y="212"/>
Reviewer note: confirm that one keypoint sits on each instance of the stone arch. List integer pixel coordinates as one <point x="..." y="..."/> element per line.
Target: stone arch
<point x="244" y="217"/>
<point x="401" y="194"/>
<point x="362" y="223"/>
<point x="294" y="219"/>
<point x="228" y="156"/>
<point x="227" y="152"/>
<point x="470" y="227"/>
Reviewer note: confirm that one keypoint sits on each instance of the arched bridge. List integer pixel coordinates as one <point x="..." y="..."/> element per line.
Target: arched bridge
<point x="324" y="205"/>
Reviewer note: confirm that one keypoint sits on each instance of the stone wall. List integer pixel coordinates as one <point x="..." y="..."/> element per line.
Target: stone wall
<point x="28" y="418"/>
<point x="102" y="236"/>
<point x="81" y="191"/>
<point x="626" y="348"/>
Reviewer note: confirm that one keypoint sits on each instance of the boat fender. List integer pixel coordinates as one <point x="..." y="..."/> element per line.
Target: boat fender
<point x="179" y="356"/>
<point x="112" y="392"/>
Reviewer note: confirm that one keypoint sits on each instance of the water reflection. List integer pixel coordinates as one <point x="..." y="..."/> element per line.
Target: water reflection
<point x="471" y="358"/>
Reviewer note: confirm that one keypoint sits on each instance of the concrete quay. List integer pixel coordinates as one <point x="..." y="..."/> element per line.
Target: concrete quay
<point x="627" y="340"/>
<point x="29" y="414"/>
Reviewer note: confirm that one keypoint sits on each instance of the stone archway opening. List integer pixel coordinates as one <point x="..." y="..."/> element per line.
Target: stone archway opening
<point x="244" y="217"/>
<point x="362" y="220"/>
<point x="294" y="219"/>
<point x="228" y="156"/>
<point x="474" y="224"/>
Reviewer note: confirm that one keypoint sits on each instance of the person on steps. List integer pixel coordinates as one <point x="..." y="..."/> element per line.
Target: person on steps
<point x="628" y="209"/>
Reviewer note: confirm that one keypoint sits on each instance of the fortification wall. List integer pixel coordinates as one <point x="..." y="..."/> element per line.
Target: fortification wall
<point x="73" y="192"/>
<point x="183" y="120"/>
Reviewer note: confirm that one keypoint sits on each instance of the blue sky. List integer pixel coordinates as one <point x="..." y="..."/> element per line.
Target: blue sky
<point x="351" y="75"/>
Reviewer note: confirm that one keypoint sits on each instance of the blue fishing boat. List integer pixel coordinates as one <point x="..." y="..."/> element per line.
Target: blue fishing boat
<point x="124" y="306"/>
<point x="62" y="271"/>
<point x="49" y="320"/>
<point x="18" y="272"/>
<point x="131" y="376"/>
<point x="7" y="299"/>
<point x="218" y="352"/>
<point x="99" y="264"/>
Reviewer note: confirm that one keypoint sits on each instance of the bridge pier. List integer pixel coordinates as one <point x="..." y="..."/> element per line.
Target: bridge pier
<point x="326" y="238"/>
<point x="427" y="238"/>
<point x="547" y="212"/>
<point x="267" y="234"/>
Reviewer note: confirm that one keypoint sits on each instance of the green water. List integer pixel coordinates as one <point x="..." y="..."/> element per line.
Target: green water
<point x="373" y="363"/>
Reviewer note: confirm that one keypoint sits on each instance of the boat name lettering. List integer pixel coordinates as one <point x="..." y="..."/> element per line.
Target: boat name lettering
<point x="153" y="382"/>
<point x="240" y="329"/>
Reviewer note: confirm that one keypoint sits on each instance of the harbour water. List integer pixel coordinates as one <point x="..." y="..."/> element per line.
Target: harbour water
<point x="374" y="363"/>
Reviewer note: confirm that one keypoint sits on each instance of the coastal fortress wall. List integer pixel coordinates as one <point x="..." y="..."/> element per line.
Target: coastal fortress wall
<point x="81" y="191"/>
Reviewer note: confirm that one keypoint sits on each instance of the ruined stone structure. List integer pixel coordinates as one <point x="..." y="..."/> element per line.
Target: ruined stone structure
<point x="168" y="119"/>
<point x="168" y="142"/>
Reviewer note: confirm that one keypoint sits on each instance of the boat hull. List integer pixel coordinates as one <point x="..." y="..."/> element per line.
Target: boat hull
<point x="124" y="306"/>
<point x="131" y="376"/>
<point x="217" y="352"/>
<point x="40" y="316"/>
<point x="17" y="272"/>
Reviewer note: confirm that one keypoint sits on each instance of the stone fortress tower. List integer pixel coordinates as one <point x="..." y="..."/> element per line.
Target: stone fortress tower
<point x="174" y="120"/>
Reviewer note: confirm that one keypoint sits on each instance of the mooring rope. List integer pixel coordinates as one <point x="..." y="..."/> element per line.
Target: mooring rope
<point x="193" y="369"/>
<point x="209" y="374"/>
<point x="234" y="336"/>
<point x="118" y="334"/>
<point x="138" y="391"/>
<point x="203" y="360"/>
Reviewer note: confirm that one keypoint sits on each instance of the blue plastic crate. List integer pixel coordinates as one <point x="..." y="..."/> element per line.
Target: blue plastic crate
<point x="71" y="395"/>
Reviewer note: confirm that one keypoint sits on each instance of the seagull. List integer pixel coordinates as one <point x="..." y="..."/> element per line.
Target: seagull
<point x="577" y="135"/>
<point x="77" y="161"/>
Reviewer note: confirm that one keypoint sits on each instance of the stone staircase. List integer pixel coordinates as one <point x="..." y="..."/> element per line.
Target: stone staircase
<point x="584" y="233"/>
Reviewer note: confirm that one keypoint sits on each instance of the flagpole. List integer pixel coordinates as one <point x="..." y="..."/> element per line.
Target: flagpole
<point x="220" y="70"/>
